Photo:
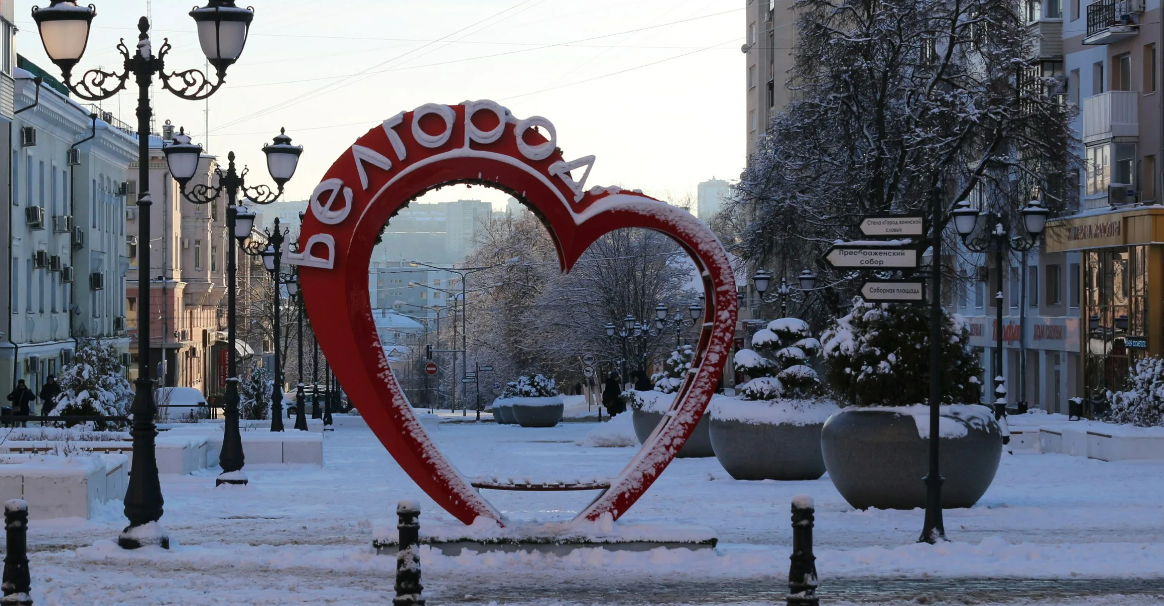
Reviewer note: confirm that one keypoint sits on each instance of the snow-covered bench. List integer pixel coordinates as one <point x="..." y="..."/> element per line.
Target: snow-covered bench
<point x="1091" y="439"/>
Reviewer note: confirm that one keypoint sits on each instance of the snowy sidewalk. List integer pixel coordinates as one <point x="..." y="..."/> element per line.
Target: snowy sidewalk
<point x="1062" y="526"/>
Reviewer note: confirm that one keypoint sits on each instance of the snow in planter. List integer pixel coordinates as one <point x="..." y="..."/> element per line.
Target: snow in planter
<point x="675" y="369"/>
<point x="94" y="383"/>
<point x="777" y="364"/>
<point x="1142" y="403"/>
<point x="526" y="386"/>
<point x="648" y="401"/>
<point x="879" y="355"/>
<point x="772" y="412"/>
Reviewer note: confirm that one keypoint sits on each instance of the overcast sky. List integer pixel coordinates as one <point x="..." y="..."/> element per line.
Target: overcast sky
<point x="653" y="88"/>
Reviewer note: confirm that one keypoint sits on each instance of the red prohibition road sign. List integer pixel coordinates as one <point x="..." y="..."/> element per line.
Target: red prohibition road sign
<point x="430" y="368"/>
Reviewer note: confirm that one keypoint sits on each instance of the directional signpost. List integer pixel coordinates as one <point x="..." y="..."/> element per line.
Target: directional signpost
<point x="873" y="255"/>
<point x="893" y="291"/>
<point x="893" y="226"/>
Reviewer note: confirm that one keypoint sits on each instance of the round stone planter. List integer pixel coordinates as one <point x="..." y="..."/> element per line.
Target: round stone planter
<point x="769" y="440"/>
<point x="878" y="457"/>
<point x="537" y="412"/>
<point x="697" y="446"/>
<point x="503" y="412"/>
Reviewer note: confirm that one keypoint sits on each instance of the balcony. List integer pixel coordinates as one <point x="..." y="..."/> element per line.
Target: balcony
<point x="1047" y="36"/>
<point x="1111" y="115"/>
<point x="1110" y="21"/>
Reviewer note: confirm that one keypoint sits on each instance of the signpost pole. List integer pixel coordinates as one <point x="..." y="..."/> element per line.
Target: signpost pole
<point x="933" y="529"/>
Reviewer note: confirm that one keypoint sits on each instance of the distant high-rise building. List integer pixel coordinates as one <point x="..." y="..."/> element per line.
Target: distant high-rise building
<point x="712" y="195"/>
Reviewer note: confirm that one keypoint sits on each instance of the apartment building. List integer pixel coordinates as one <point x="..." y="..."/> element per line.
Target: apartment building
<point x="771" y="33"/>
<point x="67" y="245"/>
<point x="187" y="274"/>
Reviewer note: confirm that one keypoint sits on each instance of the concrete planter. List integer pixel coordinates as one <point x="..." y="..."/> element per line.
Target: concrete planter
<point x="697" y="446"/>
<point x="778" y="440"/>
<point x="503" y="412"/>
<point x="538" y="412"/>
<point x="877" y="457"/>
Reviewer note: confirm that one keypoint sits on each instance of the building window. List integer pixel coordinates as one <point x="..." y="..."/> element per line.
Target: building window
<point x="771" y="94"/>
<point x="751" y="34"/>
<point x="1124" y="164"/>
<point x="1121" y="73"/>
<point x="1097" y="170"/>
<point x="198" y="255"/>
<point x="1073" y="87"/>
<point x="1015" y="289"/>
<point x="214" y="258"/>
<point x="1074" y="9"/>
<point x="1097" y="78"/>
<point x="979" y="294"/>
<point x="28" y="287"/>
<point x="1116" y="282"/>
<point x="1148" y="179"/>
<point x="751" y="77"/>
<point x="1074" y="289"/>
<point x="752" y="121"/>
<point x="1054" y="9"/>
<point x="1149" y="68"/>
<point x="1054" y="285"/>
<point x="1034" y="10"/>
<point x="1032" y="286"/>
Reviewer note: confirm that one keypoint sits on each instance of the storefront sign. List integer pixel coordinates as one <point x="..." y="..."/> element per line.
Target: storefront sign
<point x="1108" y="229"/>
<point x="1042" y="332"/>
<point x="1136" y="342"/>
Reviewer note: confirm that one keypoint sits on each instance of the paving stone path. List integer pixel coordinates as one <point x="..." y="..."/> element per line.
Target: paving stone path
<point x="857" y="590"/>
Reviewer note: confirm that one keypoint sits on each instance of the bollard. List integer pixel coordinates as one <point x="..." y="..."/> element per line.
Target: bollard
<point x="802" y="572"/>
<point x="408" y="587"/>
<point x="17" y="582"/>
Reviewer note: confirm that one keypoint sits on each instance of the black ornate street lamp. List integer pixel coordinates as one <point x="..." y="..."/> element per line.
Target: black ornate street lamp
<point x="315" y="410"/>
<point x="272" y="259"/>
<point x="182" y="158"/>
<point x="222" y="31"/>
<point x="327" y="420"/>
<point x="993" y="233"/>
<point x="300" y="394"/>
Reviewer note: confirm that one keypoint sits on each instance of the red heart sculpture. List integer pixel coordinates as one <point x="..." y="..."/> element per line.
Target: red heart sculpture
<point x="481" y="143"/>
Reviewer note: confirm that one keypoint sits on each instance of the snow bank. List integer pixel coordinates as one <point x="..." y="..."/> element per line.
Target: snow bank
<point x="615" y="433"/>
<point x="772" y="412"/>
<point x="972" y="415"/>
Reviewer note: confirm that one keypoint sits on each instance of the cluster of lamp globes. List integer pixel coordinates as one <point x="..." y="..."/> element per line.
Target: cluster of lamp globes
<point x="631" y="324"/>
<point x="222" y="33"/>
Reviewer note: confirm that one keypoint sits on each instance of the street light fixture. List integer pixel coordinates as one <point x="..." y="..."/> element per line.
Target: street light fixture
<point x="994" y="234"/>
<point x="182" y="158"/>
<point x="64" y="31"/>
<point x="761" y="281"/>
<point x="610" y="329"/>
<point x="807" y="280"/>
<point x="629" y="322"/>
<point x="661" y="312"/>
<point x="696" y="311"/>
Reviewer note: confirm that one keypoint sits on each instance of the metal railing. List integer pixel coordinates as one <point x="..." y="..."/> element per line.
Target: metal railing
<point x="1103" y="14"/>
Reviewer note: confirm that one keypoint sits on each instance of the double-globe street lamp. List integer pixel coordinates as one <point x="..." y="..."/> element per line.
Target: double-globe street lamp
<point x="663" y="319"/>
<point x="988" y="230"/>
<point x="182" y="158"/>
<point x="272" y="260"/>
<point x="762" y="280"/>
<point x="222" y="33"/>
<point x="631" y="329"/>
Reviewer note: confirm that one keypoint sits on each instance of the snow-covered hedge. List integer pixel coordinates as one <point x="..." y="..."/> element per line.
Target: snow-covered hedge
<point x="93" y="384"/>
<point x="648" y="401"/>
<point x="674" y="370"/>
<point x="1142" y="404"/>
<point x="537" y="386"/>
<point x="879" y="354"/>
<point x="777" y="364"/>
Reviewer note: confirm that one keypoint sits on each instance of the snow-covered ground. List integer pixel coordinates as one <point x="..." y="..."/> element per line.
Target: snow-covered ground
<point x="304" y="535"/>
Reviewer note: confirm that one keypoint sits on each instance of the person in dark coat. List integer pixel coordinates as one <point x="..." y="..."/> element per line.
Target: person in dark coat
<point x="22" y="398"/>
<point x="49" y="394"/>
<point x="612" y="395"/>
<point x="642" y="382"/>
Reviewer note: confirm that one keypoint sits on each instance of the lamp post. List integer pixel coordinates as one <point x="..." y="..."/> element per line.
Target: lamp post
<point x="993" y="233"/>
<point x="327" y="420"/>
<point x="300" y="394"/>
<point x="182" y="158"/>
<point x="222" y="31"/>
<point x="315" y="411"/>
<point x="272" y="258"/>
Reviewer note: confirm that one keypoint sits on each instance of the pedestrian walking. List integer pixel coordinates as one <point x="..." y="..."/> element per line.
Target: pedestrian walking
<point x="22" y="399"/>
<point x="49" y="394"/>
<point x="612" y="395"/>
<point x="642" y="381"/>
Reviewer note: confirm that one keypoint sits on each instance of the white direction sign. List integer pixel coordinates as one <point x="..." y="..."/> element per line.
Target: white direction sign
<point x="889" y="226"/>
<point x="589" y="372"/>
<point x="887" y="291"/>
<point x="467" y="380"/>
<point x="872" y="257"/>
<point x="589" y="359"/>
